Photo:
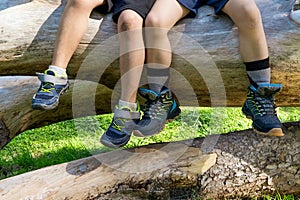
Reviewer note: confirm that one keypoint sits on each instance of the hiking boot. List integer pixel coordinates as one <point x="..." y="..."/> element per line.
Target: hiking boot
<point x="160" y="107"/>
<point x="261" y="108"/>
<point x="124" y="122"/>
<point x="52" y="86"/>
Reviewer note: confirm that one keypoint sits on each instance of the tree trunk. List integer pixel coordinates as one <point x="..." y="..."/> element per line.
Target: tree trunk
<point x="205" y="50"/>
<point x="234" y="165"/>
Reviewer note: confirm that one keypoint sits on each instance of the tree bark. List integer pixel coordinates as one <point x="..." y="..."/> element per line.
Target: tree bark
<point x="205" y="50"/>
<point x="234" y="165"/>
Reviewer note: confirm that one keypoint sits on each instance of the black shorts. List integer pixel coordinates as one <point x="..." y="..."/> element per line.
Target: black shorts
<point x="142" y="7"/>
<point x="193" y="5"/>
<point x="106" y="8"/>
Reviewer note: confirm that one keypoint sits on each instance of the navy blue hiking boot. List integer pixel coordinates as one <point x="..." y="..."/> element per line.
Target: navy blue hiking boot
<point x="160" y="108"/>
<point x="261" y="108"/>
<point x="124" y="122"/>
<point x="52" y="86"/>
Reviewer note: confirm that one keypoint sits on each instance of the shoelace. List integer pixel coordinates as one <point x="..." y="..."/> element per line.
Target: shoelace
<point x="265" y="106"/>
<point x="119" y="123"/>
<point x="49" y="89"/>
<point x="154" y="109"/>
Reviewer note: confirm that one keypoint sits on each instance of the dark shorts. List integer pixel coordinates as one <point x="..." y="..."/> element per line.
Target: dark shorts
<point x="194" y="5"/>
<point x="142" y="7"/>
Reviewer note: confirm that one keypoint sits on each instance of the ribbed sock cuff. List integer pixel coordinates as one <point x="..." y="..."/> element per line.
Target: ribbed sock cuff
<point x="259" y="71"/>
<point x="257" y="65"/>
<point x="132" y="106"/>
<point x="58" y="70"/>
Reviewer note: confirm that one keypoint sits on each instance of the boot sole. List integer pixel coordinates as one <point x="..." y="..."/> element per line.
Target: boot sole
<point x="106" y="142"/>
<point x="137" y="133"/>
<point x="273" y="132"/>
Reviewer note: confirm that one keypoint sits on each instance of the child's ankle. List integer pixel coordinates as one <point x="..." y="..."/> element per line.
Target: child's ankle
<point x="132" y="106"/>
<point x="61" y="72"/>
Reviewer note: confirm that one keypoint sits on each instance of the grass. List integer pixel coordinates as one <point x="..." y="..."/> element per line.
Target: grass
<point x="78" y="138"/>
<point x="280" y="197"/>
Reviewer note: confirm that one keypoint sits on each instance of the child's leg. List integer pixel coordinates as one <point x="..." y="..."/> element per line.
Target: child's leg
<point x="72" y="27"/>
<point x="259" y="104"/>
<point x="246" y="16"/>
<point x="132" y="53"/>
<point x="252" y="40"/>
<point x="162" y="17"/>
<point x="129" y="15"/>
<point x="160" y="104"/>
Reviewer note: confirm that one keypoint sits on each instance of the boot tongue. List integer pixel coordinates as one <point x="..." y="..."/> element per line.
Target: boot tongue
<point x="165" y="94"/>
<point x="267" y="90"/>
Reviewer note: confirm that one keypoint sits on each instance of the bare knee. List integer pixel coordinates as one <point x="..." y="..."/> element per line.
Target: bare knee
<point x="251" y="18"/>
<point x="155" y="28"/>
<point x="153" y="20"/>
<point x="129" y="20"/>
<point x="83" y="4"/>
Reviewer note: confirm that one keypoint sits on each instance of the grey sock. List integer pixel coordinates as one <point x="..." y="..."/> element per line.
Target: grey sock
<point x="259" y="71"/>
<point x="260" y="76"/>
<point x="158" y="78"/>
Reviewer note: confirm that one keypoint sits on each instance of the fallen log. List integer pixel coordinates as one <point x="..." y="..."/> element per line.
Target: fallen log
<point x="206" y="42"/>
<point x="234" y="165"/>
